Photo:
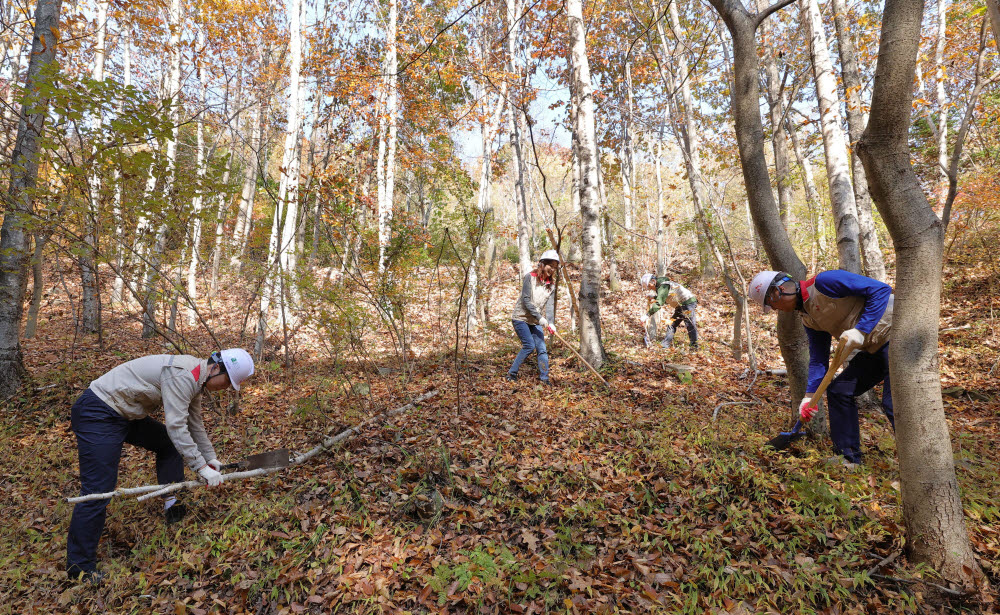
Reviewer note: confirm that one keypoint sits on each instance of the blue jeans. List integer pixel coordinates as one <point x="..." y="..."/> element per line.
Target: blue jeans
<point x="532" y="340"/>
<point x="863" y="372"/>
<point x="100" y="434"/>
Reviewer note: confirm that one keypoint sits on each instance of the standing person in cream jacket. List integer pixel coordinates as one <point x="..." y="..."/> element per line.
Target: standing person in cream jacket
<point x="115" y="409"/>
<point x="537" y="296"/>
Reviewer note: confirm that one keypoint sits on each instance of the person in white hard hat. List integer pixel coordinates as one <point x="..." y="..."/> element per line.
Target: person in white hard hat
<point x="853" y="308"/>
<point x="662" y="292"/>
<point x="115" y="409"/>
<point x="537" y="296"/>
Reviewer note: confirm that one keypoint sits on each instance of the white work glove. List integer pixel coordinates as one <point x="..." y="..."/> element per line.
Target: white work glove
<point x="542" y="322"/>
<point x="551" y="329"/>
<point x="210" y="475"/>
<point x="807" y="409"/>
<point x="651" y="294"/>
<point x="645" y="319"/>
<point x="215" y="464"/>
<point x="852" y="339"/>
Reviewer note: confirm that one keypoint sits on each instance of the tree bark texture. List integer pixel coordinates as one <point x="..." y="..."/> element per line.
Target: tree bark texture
<point x="14" y="237"/>
<point x="745" y="97"/>
<point x="871" y="251"/>
<point x="386" y="167"/>
<point x="514" y="116"/>
<point x="932" y="506"/>
<point x="838" y="173"/>
<point x="591" y="344"/>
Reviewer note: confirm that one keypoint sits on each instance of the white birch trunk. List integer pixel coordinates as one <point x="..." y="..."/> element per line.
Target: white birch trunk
<point x="520" y="193"/>
<point x="244" y="215"/>
<point x="871" y="252"/>
<point x="90" y="300"/>
<point x="628" y="155"/>
<point x="942" y="102"/>
<point x="173" y="93"/>
<point x="591" y="345"/>
<point x="387" y="138"/>
<point x="198" y="200"/>
<point x="281" y="245"/>
<point x="484" y="202"/>
<point x="838" y="170"/>
<point x="123" y="257"/>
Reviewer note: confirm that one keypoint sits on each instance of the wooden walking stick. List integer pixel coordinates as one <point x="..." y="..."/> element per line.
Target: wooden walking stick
<point x="589" y="366"/>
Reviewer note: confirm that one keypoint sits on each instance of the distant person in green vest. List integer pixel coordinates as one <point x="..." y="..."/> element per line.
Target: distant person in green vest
<point x="662" y="292"/>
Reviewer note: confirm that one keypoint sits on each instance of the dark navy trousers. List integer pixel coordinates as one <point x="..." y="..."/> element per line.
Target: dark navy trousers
<point x="863" y="372"/>
<point x="100" y="434"/>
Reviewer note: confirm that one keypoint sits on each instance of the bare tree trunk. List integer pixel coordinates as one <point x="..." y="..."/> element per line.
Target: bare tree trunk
<point x="871" y="252"/>
<point x="520" y="193"/>
<point x="484" y="205"/>
<point x="745" y="97"/>
<point x="779" y="138"/>
<point x="845" y="211"/>
<point x="14" y="240"/>
<point x="198" y="200"/>
<point x="993" y="7"/>
<point x="941" y="98"/>
<point x="932" y="507"/>
<point x="122" y="258"/>
<point x="220" y="225"/>
<point x="288" y="189"/>
<point x="173" y="91"/>
<point x="387" y="138"/>
<point x="688" y="139"/>
<point x="90" y="318"/>
<point x="978" y="85"/>
<point x="591" y="345"/>
<point x="813" y="202"/>
<point x="661" y="248"/>
<point x="244" y="214"/>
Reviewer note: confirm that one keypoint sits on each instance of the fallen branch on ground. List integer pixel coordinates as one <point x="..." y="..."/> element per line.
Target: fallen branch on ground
<point x="151" y="491"/>
<point x="715" y="413"/>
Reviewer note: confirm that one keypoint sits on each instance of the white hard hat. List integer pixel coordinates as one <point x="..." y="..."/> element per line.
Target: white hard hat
<point x="549" y="255"/>
<point x="761" y="283"/>
<point x="238" y="364"/>
<point x="646" y="279"/>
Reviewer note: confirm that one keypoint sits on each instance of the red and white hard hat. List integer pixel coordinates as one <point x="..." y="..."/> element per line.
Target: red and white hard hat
<point x="762" y="283"/>
<point x="238" y="364"/>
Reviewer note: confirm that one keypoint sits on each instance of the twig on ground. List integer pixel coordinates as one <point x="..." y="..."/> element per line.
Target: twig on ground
<point x="715" y="413"/>
<point x="151" y="491"/>
<point x="885" y="562"/>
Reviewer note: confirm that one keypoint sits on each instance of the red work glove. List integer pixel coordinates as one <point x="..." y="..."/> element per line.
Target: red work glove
<point x="551" y="328"/>
<point x="807" y="409"/>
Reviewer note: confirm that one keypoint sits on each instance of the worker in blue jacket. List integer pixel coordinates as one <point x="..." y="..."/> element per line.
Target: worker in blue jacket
<point x="853" y="308"/>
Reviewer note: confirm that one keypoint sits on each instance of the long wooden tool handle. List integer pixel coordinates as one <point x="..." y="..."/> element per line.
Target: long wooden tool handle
<point x="589" y="366"/>
<point x="838" y="358"/>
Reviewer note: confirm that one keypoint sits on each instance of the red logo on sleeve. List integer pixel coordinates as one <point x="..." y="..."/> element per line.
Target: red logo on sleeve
<point x="196" y="373"/>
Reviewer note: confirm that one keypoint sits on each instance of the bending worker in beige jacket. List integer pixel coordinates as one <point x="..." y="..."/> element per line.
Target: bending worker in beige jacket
<point x="115" y="409"/>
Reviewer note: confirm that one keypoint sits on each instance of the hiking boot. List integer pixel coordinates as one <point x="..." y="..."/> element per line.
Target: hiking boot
<point x="509" y="377"/>
<point x="90" y="577"/>
<point x="174" y="514"/>
<point x="840" y="460"/>
<point x="545" y="382"/>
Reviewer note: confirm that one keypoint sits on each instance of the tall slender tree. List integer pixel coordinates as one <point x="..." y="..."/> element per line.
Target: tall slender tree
<point x="14" y="237"/>
<point x="932" y="506"/>
<point x="591" y="344"/>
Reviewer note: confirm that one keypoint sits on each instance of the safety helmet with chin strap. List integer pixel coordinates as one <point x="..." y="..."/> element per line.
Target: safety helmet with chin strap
<point x="762" y="283"/>
<point x="235" y="362"/>
<point x="646" y="279"/>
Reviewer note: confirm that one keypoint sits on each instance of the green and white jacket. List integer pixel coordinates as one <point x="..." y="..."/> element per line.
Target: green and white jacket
<point x="672" y="294"/>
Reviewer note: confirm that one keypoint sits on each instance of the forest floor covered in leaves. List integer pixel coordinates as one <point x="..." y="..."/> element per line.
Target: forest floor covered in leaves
<point x="498" y="497"/>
